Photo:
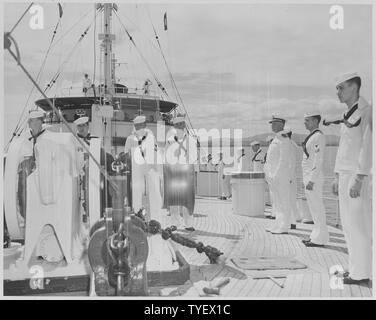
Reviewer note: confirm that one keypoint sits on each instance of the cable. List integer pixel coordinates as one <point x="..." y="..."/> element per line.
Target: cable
<point x="17" y="58"/>
<point x="19" y="20"/>
<point x="160" y="86"/>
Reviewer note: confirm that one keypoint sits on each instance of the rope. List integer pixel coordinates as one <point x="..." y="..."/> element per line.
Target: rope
<point x="60" y="69"/>
<point x="171" y="76"/>
<point x="19" y="20"/>
<point x="160" y="86"/>
<point x="62" y="119"/>
<point x="17" y="128"/>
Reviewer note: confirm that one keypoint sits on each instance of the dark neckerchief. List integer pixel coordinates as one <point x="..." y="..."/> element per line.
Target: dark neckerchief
<point x="140" y="141"/>
<point x="241" y="156"/>
<point x="34" y="138"/>
<point x="85" y="138"/>
<point x="256" y="154"/>
<point x="304" y="144"/>
<point x="345" y="119"/>
<point x="180" y="143"/>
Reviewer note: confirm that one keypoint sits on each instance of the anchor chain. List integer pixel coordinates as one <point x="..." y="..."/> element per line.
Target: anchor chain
<point x="154" y="227"/>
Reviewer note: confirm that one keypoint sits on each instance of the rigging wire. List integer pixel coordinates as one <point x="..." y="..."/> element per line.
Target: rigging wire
<point x="52" y="106"/>
<point x="95" y="44"/>
<point x="160" y="86"/>
<point x="19" y="20"/>
<point x="19" y="124"/>
<point x="170" y="74"/>
<point x="72" y="27"/>
<point x="60" y="69"/>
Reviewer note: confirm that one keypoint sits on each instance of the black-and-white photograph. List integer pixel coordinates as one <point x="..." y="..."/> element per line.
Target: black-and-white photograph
<point x="194" y="150"/>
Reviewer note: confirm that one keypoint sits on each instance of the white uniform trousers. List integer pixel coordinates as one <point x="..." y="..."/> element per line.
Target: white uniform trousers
<point x="356" y="217"/>
<point x="139" y="186"/>
<point x="176" y="211"/>
<point x="320" y="234"/>
<point x="270" y="187"/>
<point x="281" y="201"/>
<point x="224" y="185"/>
<point x="294" y="212"/>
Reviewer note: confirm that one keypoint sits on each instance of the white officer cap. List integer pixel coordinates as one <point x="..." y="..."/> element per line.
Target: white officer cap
<point x="255" y="142"/>
<point x="312" y="113"/>
<point x="139" y="120"/>
<point x="179" y="118"/>
<point x="345" y="76"/>
<point x="34" y="114"/>
<point x="81" y="120"/>
<point x="277" y="119"/>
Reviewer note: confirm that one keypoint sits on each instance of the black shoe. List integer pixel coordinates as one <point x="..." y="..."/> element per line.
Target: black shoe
<point x="271" y="217"/>
<point x="348" y="280"/>
<point x="312" y="244"/>
<point x="306" y="240"/>
<point x="293" y="226"/>
<point x="308" y="222"/>
<point x="190" y="229"/>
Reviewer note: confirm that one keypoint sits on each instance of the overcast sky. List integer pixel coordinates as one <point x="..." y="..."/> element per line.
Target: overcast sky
<point x="235" y="65"/>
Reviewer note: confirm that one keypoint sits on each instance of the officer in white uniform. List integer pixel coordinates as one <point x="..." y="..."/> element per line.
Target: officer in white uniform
<point x="278" y="177"/>
<point x="293" y="152"/>
<point x="257" y="161"/>
<point x="269" y="140"/>
<point x="352" y="182"/>
<point x="313" y="179"/>
<point x="142" y="146"/>
<point x="184" y="149"/>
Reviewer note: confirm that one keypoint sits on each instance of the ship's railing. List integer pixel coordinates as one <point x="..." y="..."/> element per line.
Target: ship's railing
<point x="99" y="90"/>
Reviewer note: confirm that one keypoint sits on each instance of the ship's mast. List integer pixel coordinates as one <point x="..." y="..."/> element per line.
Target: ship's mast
<point x="107" y="37"/>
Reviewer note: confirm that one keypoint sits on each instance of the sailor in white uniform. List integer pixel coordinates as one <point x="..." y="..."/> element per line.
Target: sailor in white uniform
<point x="278" y="177"/>
<point x="257" y="161"/>
<point x="86" y="84"/>
<point x="353" y="174"/>
<point x="222" y="178"/>
<point x="242" y="161"/>
<point x="184" y="149"/>
<point x="35" y="122"/>
<point x="142" y="146"/>
<point x="293" y="152"/>
<point x="313" y="179"/>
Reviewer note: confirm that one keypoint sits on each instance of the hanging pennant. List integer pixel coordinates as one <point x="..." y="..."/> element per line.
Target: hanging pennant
<point x="165" y="21"/>
<point x="60" y="10"/>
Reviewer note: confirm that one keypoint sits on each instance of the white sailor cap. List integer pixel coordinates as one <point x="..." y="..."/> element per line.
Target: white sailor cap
<point x="81" y="120"/>
<point x="34" y="114"/>
<point x="255" y="142"/>
<point x="277" y="119"/>
<point x="344" y="77"/>
<point x="139" y="120"/>
<point x="178" y="119"/>
<point x="313" y="113"/>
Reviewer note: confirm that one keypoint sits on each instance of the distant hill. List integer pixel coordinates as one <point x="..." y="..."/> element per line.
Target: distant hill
<point x="331" y="140"/>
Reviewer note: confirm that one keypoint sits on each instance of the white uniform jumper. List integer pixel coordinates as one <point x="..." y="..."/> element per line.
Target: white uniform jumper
<point x="354" y="156"/>
<point x="312" y="165"/>
<point x="182" y="146"/>
<point x="143" y="149"/>
<point x="278" y="179"/>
